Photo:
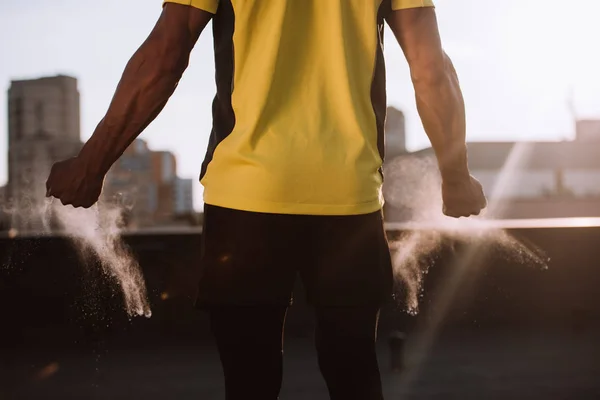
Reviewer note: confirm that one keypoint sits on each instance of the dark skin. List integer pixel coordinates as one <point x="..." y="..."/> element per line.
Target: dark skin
<point x="152" y="75"/>
<point x="441" y="107"/>
<point x="149" y="80"/>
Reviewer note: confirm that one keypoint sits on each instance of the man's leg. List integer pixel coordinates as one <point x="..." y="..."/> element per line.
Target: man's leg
<point x="345" y="341"/>
<point x="246" y="286"/>
<point x="349" y="277"/>
<point x="249" y="340"/>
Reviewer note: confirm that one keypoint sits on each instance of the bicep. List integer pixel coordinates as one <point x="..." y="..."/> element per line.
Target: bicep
<point x="416" y="30"/>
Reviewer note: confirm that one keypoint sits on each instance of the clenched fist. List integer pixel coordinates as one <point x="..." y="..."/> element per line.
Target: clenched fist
<point x="72" y="183"/>
<point x="463" y="197"/>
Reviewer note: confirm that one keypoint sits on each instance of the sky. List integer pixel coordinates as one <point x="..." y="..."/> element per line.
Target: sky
<point x="520" y="63"/>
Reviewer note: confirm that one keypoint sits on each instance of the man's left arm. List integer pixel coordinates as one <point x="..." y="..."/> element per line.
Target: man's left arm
<point x="149" y="80"/>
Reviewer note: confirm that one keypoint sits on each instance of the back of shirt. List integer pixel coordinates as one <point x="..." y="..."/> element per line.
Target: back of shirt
<point x="299" y="113"/>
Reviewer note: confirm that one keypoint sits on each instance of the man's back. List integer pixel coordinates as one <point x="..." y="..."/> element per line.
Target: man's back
<point x="298" y="119"/>
<point x="299" y="109"/>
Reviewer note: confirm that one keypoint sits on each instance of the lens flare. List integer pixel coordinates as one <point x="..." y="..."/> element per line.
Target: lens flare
<point x="413" y="185"/>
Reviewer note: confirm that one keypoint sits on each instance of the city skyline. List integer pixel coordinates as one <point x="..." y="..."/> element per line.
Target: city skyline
<point x="44" y="127"/>
<point x="518" y="63"/>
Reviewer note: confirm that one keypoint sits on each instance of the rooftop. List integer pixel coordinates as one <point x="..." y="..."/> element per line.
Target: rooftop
<point x="534" y="155"/>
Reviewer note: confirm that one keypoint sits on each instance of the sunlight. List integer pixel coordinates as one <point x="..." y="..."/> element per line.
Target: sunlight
<point x="555" y="48"/>
<point x="480" y="224"/>
<point x="426" y="334"/>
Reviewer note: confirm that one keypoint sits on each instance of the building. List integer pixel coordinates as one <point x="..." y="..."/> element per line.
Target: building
<point x="145" y="184"/>
<point x="395" y="133"/>
<point x="588" y="130"/>
<point x="395" y="147"/>
<point x="164" y="166"/>
<point x="536" y="179"/>
<point x="184" y="196"/>
<point x="164" y="173"/>
<point x="175" y="195"/>
<point x="129" y="184"/>
<point x="43" y="128"/>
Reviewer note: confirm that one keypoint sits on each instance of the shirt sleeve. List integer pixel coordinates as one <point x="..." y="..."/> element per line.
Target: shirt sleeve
<point x="402" y="4"/>
<point x="206" y="5"/>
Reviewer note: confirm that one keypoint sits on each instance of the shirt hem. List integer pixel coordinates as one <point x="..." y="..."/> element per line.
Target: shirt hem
<point x="404" y="4"/>
<point x="268" y="207"/>
<point x="209" y="6"/>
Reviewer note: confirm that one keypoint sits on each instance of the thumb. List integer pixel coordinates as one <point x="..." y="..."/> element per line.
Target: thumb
<point x="48" y="187"/>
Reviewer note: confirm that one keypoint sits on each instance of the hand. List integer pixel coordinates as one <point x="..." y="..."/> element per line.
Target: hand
<point x="71" y="183"/>
<point x="463" y="197"/>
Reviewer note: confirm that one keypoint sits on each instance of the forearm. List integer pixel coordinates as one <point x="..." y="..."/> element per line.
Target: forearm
<point x="147" y="83"/>
<point x="441" y="108"/>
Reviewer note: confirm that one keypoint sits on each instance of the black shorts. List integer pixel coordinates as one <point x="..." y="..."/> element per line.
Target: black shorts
<point x="251" y="259"/>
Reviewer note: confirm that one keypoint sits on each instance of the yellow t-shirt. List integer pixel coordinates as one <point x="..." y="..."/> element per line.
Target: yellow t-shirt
<point x="300" y="107"/>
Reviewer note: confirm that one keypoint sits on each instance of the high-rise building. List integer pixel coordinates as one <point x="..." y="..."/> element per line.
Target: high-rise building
<point x="395" y="133"/>
<point x="183" y="195"/>
<point x="47" y="106"/>
<point x="395" y="146"/>
<point x="145" y="183"/>
<point x="175" y="194"/>
<point x="43" y="127"/>
<point x="130" y="185"/>
<point x="164" y="166"/>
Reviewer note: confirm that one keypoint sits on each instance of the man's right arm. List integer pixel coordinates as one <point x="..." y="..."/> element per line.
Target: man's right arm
<point x="440" y="105"/>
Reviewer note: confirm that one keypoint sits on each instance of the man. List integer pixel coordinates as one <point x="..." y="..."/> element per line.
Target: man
<point x="292" y="175"/>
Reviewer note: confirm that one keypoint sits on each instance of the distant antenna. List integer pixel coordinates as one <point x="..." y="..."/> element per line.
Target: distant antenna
<point x="571" y="104"/>
<point x="572" y="109"/>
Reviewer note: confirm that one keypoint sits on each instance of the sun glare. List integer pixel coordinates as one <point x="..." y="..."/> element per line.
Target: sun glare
<point x="555" y="48"/>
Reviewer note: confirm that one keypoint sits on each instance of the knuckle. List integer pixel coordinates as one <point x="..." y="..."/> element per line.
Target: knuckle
<point x="66" y="200"/>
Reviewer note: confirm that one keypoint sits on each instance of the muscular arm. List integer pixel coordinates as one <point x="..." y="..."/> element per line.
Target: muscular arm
<point x="439" y="98"/>
<point x="148" y="81"/>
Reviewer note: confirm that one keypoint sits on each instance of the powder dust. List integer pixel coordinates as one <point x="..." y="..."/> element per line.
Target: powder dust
<point x="96" y="231"/>
<point x="413" y="186"/>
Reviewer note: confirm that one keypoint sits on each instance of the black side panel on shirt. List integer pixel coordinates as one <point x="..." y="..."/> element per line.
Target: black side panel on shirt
<point x="378" y="90"/>
<point x="223" y="116"/>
